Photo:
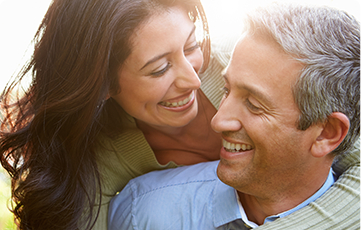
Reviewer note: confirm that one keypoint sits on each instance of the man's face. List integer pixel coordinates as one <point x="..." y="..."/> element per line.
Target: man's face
<point x="258" y="119"/>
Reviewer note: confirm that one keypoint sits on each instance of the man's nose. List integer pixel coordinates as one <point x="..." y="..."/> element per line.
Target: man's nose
<point x="227" y="118"/>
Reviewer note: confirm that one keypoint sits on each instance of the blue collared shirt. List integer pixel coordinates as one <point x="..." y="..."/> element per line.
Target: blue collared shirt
<point x="189" y="197"/>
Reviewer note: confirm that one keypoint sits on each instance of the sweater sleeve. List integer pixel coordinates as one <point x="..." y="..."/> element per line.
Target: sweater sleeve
<point x="338" y="208"/>
<point x="212" y="80"/>
<point x="120" y="159"/>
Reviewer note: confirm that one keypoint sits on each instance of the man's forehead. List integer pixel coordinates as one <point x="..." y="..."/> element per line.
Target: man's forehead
<point x="260" y="66"/>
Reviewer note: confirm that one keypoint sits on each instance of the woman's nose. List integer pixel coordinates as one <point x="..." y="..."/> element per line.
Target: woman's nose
<point x="187" y="76"/>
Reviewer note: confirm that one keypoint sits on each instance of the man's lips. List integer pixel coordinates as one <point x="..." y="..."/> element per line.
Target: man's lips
<point x="235" y="147"/>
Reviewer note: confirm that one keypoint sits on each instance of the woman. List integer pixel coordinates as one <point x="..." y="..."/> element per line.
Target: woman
<point x="115" y="94"/>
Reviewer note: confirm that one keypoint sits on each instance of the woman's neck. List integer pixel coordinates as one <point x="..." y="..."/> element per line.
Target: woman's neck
<point x="168" y="130"/>
<point x="193" y="143"/>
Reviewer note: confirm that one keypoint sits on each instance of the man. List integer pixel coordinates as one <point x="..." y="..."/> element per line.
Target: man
<point x="291" y="107"/>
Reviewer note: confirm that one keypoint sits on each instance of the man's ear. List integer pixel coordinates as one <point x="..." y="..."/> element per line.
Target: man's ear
<point x="333" y="133"/>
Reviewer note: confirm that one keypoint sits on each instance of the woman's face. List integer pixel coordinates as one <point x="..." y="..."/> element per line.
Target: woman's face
<point x="159" y="80"/>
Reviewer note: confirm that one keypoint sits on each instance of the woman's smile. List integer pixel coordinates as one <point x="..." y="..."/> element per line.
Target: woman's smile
<point x="180" y="103"/>
<point x="159" y="80"/>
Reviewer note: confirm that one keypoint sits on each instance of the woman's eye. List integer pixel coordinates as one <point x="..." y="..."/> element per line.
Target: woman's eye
<point x="226" y="91"/>
<point x="162" y="71"/>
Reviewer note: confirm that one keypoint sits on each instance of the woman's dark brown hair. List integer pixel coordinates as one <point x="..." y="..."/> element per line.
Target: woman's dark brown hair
<point x="48" y="135"/>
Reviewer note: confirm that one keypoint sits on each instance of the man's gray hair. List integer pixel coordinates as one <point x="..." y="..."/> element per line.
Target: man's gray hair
<point x="327" y="41"/>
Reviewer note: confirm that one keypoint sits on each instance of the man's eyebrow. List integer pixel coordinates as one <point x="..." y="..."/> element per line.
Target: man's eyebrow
<point x="156" y="58"/>
<point x="252" y="90"/>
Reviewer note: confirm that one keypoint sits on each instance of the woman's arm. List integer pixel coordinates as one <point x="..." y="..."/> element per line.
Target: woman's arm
<point x="338" y="208"/>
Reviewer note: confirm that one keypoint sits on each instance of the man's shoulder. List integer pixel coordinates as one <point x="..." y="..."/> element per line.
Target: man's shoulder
<point x="183" y="175"/>
<point x="158" y="198"/>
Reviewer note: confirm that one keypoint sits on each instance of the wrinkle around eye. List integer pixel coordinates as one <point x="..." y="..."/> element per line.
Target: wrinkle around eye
<point x="263" y="112"/>
<point x="253" y="108"/>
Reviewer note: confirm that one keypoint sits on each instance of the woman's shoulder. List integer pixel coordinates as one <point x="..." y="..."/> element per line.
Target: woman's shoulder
<point x="123" y="157"/>
<point x="223" y="46"/>
<point x="212" y="80"/>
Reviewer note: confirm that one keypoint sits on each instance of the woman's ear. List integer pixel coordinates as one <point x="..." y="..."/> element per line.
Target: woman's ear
<point x="333" y="133"/>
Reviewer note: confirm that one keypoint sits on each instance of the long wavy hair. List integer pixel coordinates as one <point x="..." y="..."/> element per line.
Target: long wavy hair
<point x="48" y="134"/>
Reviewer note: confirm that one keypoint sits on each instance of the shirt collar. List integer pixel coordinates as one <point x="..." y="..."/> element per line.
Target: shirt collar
<point x="225" y="206"/>
<point x="331" y="178"/>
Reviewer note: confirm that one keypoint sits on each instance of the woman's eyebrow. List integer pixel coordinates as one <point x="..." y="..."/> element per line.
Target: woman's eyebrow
<point x="156" y="58"/>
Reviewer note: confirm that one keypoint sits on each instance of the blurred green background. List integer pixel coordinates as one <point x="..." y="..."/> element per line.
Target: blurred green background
<point x="6" y="217"/>
<point x="19" y="20"/>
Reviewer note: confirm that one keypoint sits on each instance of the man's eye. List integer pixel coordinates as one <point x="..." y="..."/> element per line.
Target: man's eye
<point x="226" y="91"/>
<point x="162" y="71"/>
<point x="252" y="107"/>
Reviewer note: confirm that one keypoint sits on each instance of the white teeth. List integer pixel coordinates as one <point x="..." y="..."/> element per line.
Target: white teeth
<point x="226" y="144"/>
<point x="232" y="147"/>
<point x="179" y="103"/>
<point x="244" y="147"/>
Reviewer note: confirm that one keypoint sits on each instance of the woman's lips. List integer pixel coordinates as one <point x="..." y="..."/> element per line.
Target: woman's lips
<point x="179" y="105"/>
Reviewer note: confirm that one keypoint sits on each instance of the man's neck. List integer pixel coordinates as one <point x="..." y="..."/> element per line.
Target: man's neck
<point x="258" y="208"/>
